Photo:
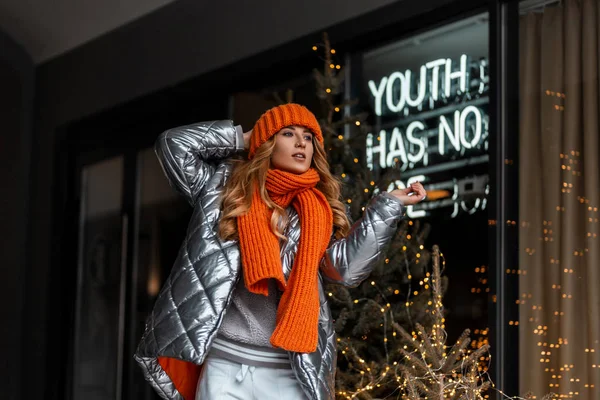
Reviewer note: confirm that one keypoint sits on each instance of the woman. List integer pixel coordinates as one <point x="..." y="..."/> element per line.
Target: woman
<point x="243" y="313"/>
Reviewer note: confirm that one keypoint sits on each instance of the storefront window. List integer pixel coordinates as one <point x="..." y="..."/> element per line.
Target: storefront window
<point x="428" y="105"/>
<point x="99" y="319"/>
<point x="559" y="197"/>
<point x="163" y="220"/>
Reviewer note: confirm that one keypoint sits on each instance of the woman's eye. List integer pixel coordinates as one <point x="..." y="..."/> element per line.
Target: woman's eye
<point x="308" y="138"/>
<point x="288" y="134"/>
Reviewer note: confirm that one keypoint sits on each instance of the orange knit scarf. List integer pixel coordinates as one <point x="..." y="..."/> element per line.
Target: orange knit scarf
<point x="298" y="311"/>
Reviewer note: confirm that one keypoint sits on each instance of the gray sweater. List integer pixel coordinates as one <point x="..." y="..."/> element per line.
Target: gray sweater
<point x="250" y="318"/>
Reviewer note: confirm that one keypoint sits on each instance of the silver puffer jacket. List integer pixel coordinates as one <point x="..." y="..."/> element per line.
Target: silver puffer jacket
<point x="191" y="305"/>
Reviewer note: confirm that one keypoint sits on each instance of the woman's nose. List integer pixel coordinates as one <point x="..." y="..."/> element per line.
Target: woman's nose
<point x="300" y="142"/>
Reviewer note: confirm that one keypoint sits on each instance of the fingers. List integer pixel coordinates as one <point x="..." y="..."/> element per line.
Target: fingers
<point x="416" y="185"/>
<point x="411" y="195"/>
<point x="418" y="191"/>
<point x="246" y="136"/>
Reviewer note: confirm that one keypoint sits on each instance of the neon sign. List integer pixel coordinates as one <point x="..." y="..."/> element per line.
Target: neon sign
<point x="396" y="99"/>
<point x="455" y="132"/>
<point x="433" y="122"/>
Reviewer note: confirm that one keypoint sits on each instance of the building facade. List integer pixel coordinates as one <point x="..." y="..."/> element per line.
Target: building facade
<point x="490" y="104"/>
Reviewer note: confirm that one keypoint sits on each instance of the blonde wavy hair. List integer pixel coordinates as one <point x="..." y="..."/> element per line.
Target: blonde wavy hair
<point x="247" y="173"/>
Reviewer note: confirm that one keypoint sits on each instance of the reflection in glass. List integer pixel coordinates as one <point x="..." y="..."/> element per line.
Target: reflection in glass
<point x="163" y="219"/>
<point x="99" y="282"/>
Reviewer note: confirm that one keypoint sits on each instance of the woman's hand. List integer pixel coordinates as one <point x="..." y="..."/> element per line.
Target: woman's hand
<point x="413" y="194"/>
<point x="247" y="139"/>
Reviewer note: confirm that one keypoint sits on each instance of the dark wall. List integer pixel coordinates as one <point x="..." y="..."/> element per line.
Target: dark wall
<point x="149" y="63"/>
<point x="16" y="107"/>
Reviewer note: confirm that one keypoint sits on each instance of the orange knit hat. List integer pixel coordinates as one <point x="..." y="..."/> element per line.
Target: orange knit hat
<point x="278" y="118"/>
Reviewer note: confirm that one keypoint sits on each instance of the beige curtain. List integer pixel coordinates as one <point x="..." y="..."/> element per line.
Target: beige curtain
<point x="559" y="198"/>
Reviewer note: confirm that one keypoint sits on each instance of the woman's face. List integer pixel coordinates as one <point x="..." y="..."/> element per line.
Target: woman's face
<point x="293" y="151"/>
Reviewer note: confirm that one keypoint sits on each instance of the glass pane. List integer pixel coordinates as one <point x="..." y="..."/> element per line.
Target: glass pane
<point x="97" y="330"/>
<point x="163" y="219"/>
<point x="559" y="197"/>
<point x="428" y="101"/>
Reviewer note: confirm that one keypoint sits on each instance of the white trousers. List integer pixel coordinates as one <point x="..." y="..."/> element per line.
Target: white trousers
<point x="224" y="379"/>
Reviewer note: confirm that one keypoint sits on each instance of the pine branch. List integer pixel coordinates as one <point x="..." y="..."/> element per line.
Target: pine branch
<point x="407" y="336"/>
<point x="341" y="320"/>
<point x="457" y="351"/>
<point x="474" y="357"/>
<point x="434" y="354"/>
<point x="415" y="362"/>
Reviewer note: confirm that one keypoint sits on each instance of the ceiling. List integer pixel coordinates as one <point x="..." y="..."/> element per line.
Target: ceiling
<point x="47" y="29"/>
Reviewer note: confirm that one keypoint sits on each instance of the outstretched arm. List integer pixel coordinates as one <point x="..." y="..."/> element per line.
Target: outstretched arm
<point x="349" y="260"/>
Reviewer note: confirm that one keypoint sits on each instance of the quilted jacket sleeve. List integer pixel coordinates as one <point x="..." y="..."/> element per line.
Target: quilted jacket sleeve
<point x="189" y="154"/>
<point x="349" y="260"/>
